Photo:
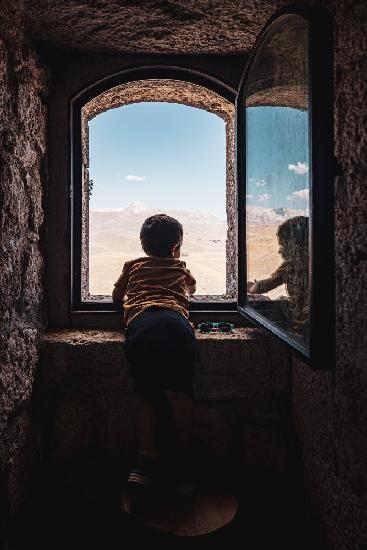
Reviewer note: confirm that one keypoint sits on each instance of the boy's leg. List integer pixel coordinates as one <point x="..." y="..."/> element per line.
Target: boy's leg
<point x="183" y="413"/>
<point x="143" y="475"/>
<point x="146" y="427"/>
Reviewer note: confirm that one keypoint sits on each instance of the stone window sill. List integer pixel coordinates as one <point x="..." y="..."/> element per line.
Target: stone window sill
<point x="238" y="364"/>
<point x="83" y="397"/>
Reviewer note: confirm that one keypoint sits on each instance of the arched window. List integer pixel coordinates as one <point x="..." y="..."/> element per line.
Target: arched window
<point x="158" y="146"/>
<point x="209" y="217"/>
<point x="279" y="192"/>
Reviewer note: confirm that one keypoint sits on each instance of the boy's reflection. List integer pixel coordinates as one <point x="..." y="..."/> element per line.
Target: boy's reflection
<point x="293" y="272"/>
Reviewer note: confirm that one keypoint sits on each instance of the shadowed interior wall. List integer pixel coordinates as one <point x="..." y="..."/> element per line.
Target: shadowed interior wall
<point x="330" y="409"/>
<point x="83" y="402"/>
<point x="22" y="152"/>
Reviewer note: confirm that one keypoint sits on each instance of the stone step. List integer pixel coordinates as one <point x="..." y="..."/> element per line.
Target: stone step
<point x="204" y="512"/>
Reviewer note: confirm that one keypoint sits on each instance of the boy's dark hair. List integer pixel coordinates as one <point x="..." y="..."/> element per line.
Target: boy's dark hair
<point x="294" y="232"/>
<point x="159" y="234"/>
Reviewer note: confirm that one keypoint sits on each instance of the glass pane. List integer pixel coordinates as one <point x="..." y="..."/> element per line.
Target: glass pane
<point x="278" y="180"/>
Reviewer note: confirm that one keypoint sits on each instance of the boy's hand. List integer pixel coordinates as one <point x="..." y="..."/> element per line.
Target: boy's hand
<point x="250" y="284"/>
<point x="190" y="283"/>
<point x="118" y="292"/>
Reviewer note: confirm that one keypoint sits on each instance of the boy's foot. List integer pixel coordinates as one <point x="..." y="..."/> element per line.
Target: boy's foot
<point x="141" y="484"/>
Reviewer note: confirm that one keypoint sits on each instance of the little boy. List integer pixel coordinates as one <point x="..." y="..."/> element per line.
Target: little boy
<point x="160" y="346"/>
<point x="293" y="237"/>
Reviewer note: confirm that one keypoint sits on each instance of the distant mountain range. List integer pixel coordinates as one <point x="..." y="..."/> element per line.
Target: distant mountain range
<point x="136" y="212"/>
<point x="110" y="228"/>
<point x="114" y="239"/>
<point x="269" y="216"/>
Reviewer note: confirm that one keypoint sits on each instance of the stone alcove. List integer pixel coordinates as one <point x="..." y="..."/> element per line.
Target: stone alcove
<point x="85" y="43"/>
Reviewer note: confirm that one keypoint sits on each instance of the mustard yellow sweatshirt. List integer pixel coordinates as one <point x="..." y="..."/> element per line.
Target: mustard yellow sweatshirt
<point x="153" y="281"/>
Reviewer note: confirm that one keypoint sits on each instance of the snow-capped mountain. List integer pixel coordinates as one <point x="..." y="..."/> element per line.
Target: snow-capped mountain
<point x="269" y="216"/>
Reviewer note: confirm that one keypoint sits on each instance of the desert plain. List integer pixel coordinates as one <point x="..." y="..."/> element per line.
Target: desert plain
<point x="114" y="239"/>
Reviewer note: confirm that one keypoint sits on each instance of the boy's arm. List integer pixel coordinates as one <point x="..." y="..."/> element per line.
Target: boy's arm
<point x="265" y="285"/>
<point x="190" y="283"/>
<point x="121" y="284"/>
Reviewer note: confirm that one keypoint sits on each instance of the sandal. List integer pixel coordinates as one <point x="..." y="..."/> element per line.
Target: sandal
<point x="141" y="484"/>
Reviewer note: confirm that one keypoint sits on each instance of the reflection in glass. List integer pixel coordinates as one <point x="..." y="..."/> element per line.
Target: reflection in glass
<point x="278" y="180"/>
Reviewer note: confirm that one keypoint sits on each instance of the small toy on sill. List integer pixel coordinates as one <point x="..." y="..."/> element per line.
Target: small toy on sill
<point x="215" y="327"/>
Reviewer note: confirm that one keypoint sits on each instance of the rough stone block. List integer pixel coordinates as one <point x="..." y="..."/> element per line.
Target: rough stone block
<point x="83" y="398"/>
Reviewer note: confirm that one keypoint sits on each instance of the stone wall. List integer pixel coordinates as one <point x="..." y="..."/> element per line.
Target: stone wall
<point x="84" y="410"/>
<point x="330" y="409"/>
<point x="186" y="26"/>
<point x="22" y="153"/>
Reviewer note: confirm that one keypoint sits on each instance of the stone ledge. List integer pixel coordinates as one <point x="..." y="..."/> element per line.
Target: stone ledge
<point x="85" y="337"/>
<point x="82" y="397"/>
<point x="242" y="364"/>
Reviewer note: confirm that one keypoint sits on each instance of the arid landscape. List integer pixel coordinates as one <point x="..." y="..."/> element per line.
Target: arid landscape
<point x="114" y="239"/>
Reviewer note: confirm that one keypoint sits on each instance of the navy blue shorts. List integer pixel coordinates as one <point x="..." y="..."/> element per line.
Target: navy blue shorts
<point x="160" y="346"/>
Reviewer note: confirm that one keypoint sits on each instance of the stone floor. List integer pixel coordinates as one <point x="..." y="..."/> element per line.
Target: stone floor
<point x="272" y="514"/>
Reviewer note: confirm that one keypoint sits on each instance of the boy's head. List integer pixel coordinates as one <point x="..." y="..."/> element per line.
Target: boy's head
<point x="293" y="235"/>
<point x="160" y="235"/>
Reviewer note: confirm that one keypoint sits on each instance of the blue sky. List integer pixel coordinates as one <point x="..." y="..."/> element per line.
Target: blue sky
<point x="166" y="155"/>
<point x="171" y="156"/>
<point x="278" y="157"/>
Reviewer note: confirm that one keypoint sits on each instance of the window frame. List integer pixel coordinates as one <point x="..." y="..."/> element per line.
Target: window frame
<point x="321" y="352"/>
<point x="146" y="72"/>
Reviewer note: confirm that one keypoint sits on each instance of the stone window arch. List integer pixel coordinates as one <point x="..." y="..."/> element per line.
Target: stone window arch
<point x="169" y="91"/>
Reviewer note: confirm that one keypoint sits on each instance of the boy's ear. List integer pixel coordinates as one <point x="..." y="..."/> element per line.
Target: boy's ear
<point x="174" y="248"/>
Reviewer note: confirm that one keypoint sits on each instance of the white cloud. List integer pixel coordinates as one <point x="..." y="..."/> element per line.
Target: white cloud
<point x="261" y="183"/>
<point x="302" y="195"/>
<point x="300" y="168"/>
<point x="249" y="196"/>
<point x="133" y="177"/>
<point x="263" y="197"/>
